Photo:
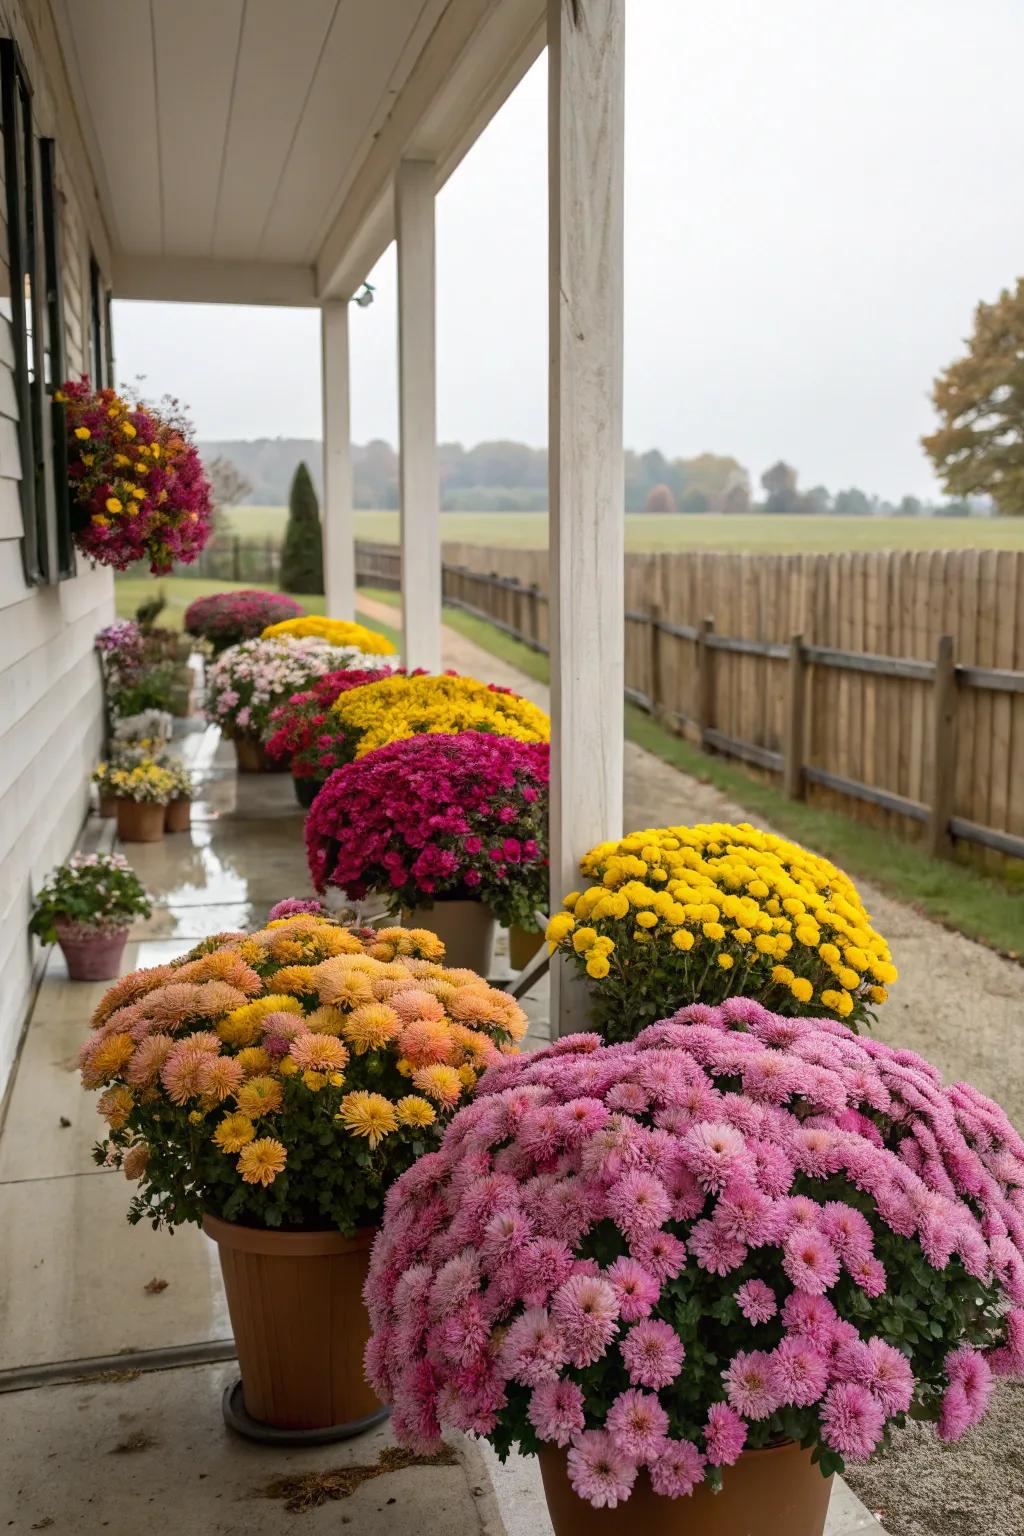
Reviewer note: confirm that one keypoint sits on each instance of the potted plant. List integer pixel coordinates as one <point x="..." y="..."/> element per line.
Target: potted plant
<point x="450" y="829"/>
<point x="247" y="681"/>
<point x="150" y="729"/>
<point x="106" y="800"/>
<point x="225" y="618"/>
<point x="728" y="1253"/>
<point x="698" y="914"/>
<point x="296" y="734"/>
<point x="143" y="791"/>
<point x="345" y="634"/>
<point x="271" y="1087"/>
<point x="137" y="487"/>
<point x="120" y="649"/>
<point x="178" y="811"/>
<point x="87" y="905"/>
<point x="409" y="705"/>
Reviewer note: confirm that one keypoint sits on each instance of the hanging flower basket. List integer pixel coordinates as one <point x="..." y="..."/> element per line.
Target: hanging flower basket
<point x="138" y="491"/>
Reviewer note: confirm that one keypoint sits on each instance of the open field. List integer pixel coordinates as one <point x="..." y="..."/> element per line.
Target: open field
<point x="130" y="591"/>
<point x="753" y="534"/>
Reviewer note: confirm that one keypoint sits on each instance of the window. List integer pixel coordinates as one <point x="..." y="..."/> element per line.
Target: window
<point x="27" y="325"/>
<point x="55" y="366"/>
<point x="100" y="362"/>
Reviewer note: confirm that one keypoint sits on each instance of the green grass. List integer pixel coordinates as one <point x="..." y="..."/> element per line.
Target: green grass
<point x="257" y="522"/>
<point x="751" y="534"/>
<point x="130" y="591"/>
<point x="951" y="893"/>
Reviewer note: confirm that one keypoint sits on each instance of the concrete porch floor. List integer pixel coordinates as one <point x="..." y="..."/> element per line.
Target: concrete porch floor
<point x="144" y="1443"/>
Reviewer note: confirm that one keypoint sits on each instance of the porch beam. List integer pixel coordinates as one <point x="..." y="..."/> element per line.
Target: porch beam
<point x="338" y="515"/>
<point x="586" y="493"/>
<point x="209" y="280"/>
<point x="419" y="491"/>
<point x="475" y="55"/>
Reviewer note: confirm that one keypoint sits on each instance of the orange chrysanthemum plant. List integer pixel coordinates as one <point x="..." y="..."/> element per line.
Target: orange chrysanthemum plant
<point x="287" y="1077"/>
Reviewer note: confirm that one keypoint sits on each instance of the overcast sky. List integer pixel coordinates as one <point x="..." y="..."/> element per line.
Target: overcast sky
<point x="816" y="197"/>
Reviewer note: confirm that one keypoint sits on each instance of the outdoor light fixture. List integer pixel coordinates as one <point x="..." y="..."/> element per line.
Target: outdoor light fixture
<point x="364" y="298"/>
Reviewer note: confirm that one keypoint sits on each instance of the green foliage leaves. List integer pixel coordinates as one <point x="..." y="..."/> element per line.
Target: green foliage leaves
<point x="332" y="1179"/>
<point x="978" y="448"/>
<point x="98" y="891"/>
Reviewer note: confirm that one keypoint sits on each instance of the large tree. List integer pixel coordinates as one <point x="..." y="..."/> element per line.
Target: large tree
<point x="978" y="448"/>
<point x="228" y="488"/>
<point x="302" y="560"/>
<point x="780" y="481"/>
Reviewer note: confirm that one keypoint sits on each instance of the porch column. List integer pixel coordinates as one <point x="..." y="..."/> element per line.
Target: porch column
<point x="338" y="514"/>
<point x="419" y="492"/>
<point x="586" y="538"/>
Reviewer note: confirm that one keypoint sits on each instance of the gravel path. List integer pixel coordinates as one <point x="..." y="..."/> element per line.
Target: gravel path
<point x="962" y="1007"/>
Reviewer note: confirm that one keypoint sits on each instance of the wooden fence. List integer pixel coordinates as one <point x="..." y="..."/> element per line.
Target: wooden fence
<point x="890" y="685"/>
<point x="227" y="557"/>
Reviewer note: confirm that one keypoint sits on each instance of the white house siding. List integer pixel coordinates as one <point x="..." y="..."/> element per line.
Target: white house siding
<point x="50" y="700"/>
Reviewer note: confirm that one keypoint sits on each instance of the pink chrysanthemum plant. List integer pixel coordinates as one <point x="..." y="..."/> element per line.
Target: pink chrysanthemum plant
<point x="736" y="1229"/>
<point x="249" y="680"/>
<point x="285" y="1078"/>
<point x="461" y="815"/>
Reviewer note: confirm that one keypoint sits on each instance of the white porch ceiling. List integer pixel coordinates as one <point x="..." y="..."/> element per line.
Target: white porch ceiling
<point x="230" y="132"/>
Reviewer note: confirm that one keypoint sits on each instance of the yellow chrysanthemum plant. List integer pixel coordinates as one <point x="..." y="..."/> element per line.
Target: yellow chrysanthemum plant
<point x="146" y="782"/>
<point x="286" y="1078"/>
<point x="344" y="633"/>
<point x="679" y="915"/>
<point x="399" y="706"/>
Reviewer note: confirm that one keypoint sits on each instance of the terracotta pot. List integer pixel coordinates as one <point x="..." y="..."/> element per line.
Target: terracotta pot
<point x="178" y="817"/>
<point x="108" y="805"/>
<point x="300" y="1323"/>
<point x="251" y="757"/>
<point x="140" y="822"/>
<point x="776" y="1492"/>
<point x="466" y="928"/>
<point x="91" y="956"/>
<point x="522" y="946"/>
<point x="306" y="791"/>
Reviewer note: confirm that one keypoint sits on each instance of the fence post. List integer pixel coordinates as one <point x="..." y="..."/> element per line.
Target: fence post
<point x="656" y="688"/>
<point x="705" y="681"/>
<point x="517" y="607"/>
<point x="940" y="841"/>
<point x="534" y="615"/>
<point x="793" y="752"/>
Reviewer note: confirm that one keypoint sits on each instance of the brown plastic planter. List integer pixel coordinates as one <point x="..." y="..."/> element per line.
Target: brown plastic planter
<point x="140" y="822"/>
<point x="776" y="1492"/>
<point x="465" y="928"/>
<point x="179" y="816"/>
<point x="251" y="756"/>
<point x="108" y="805"/>
<point x="522" y="946"/>
<point x="300" y="1323"/>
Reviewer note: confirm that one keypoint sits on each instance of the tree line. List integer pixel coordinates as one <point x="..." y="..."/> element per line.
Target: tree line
<point x="505" y="476"/>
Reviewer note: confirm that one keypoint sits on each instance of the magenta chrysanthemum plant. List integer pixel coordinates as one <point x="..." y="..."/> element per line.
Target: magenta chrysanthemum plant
<point x="735" y="1229"/>
<point x="225" y="618"/>
<point x="434" y="815"/>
